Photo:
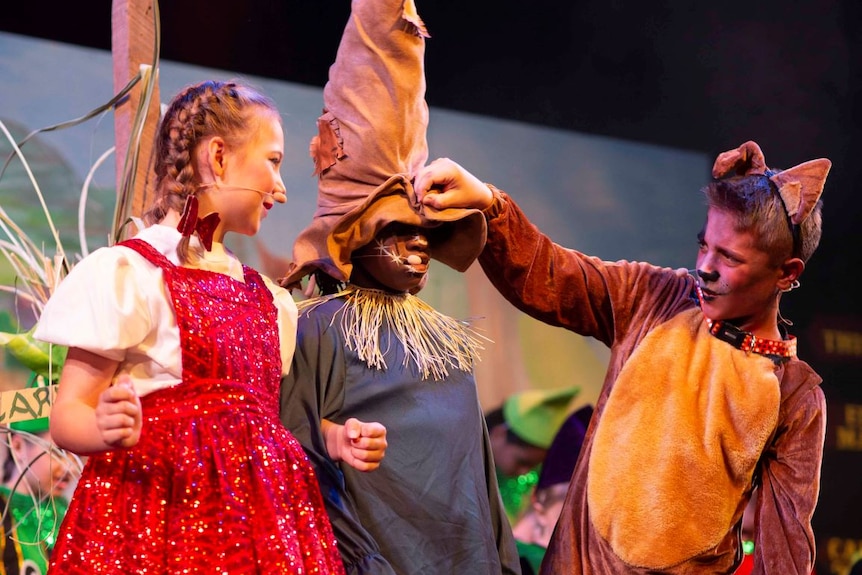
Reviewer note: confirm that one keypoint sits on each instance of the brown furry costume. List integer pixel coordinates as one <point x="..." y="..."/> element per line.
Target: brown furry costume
<point x="685" y="425"/>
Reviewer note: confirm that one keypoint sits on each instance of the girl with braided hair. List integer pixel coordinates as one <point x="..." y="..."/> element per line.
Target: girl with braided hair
<point x="171" y="383"/>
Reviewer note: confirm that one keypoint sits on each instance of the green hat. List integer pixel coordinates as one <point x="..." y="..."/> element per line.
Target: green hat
<point x="39" y="424"/>
<point x="535" y="415"/>
<point x="34" y="426"/>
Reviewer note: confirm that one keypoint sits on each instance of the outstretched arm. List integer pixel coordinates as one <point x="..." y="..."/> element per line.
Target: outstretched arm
<point x="356" y="443"/>
<point x="89" y="414"/>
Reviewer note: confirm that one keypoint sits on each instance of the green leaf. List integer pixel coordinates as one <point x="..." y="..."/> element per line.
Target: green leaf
<point x="42" y="358"/>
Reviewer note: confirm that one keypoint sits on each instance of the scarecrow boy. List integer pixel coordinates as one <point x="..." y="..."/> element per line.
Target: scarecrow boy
<point x="371" y="348"/>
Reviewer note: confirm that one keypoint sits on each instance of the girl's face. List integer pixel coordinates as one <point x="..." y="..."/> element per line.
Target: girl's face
<point x="251" y="183"/>
<point x="738" y="281"/>
<point x="396" y="261"/>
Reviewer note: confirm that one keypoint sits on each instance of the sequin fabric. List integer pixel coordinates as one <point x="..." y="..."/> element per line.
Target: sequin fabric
<point x="216" y="484"/>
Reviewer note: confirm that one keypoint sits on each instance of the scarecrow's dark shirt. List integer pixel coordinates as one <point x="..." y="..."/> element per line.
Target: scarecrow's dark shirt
<point x="433" y="506"/>
<point x="622" y="304"/>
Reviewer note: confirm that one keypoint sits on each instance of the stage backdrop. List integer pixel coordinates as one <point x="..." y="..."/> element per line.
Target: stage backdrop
<point x="607" y="197"/>
<point x="610" y="198"/>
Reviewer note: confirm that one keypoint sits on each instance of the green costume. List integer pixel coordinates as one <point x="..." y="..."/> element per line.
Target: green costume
<point x="30" y="531"/>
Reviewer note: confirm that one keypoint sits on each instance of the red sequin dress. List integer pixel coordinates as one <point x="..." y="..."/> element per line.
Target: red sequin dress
<point x="216" y="483"/>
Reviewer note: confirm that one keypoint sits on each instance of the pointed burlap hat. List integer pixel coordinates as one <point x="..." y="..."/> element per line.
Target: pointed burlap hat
<point x="371" y="141"/>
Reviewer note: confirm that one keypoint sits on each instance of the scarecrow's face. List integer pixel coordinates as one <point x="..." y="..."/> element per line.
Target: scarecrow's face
<point x="397" y="260"/>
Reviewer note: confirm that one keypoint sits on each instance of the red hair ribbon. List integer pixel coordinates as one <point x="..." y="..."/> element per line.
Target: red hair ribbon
<point x="191" y="223"/>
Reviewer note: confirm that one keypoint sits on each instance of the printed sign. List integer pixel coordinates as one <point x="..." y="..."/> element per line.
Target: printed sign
<point x="26" y="404"/>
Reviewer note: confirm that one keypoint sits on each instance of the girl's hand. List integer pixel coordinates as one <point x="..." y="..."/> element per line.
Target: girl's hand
<point x="358" y="444"/>
<point x="118" y="414"/>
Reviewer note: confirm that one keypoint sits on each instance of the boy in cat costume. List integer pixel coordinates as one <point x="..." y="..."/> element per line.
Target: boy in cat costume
<point x="704" y="398"/>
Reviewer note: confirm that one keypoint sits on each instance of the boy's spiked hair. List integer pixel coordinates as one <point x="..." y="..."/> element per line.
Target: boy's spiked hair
<point x="782" y="207"/>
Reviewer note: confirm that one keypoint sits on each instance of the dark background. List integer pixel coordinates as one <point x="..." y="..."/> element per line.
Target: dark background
<point x="705" y="76"/>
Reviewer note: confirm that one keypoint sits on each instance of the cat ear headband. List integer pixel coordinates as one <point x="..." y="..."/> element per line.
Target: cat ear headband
<point x="799" y="187"/>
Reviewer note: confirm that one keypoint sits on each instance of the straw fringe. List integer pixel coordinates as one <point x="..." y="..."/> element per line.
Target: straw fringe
<point x="434" y="342"/>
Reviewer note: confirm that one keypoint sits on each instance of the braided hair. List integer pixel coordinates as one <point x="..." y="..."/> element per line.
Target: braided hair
<point x="210" y="108"/>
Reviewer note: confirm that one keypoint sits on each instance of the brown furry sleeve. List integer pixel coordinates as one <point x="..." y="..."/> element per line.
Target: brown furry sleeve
<point x="564" y="287"/>
<point x="790" y="477"/>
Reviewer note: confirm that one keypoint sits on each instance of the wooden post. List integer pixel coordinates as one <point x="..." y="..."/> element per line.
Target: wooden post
<point x="132" y="38"/>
